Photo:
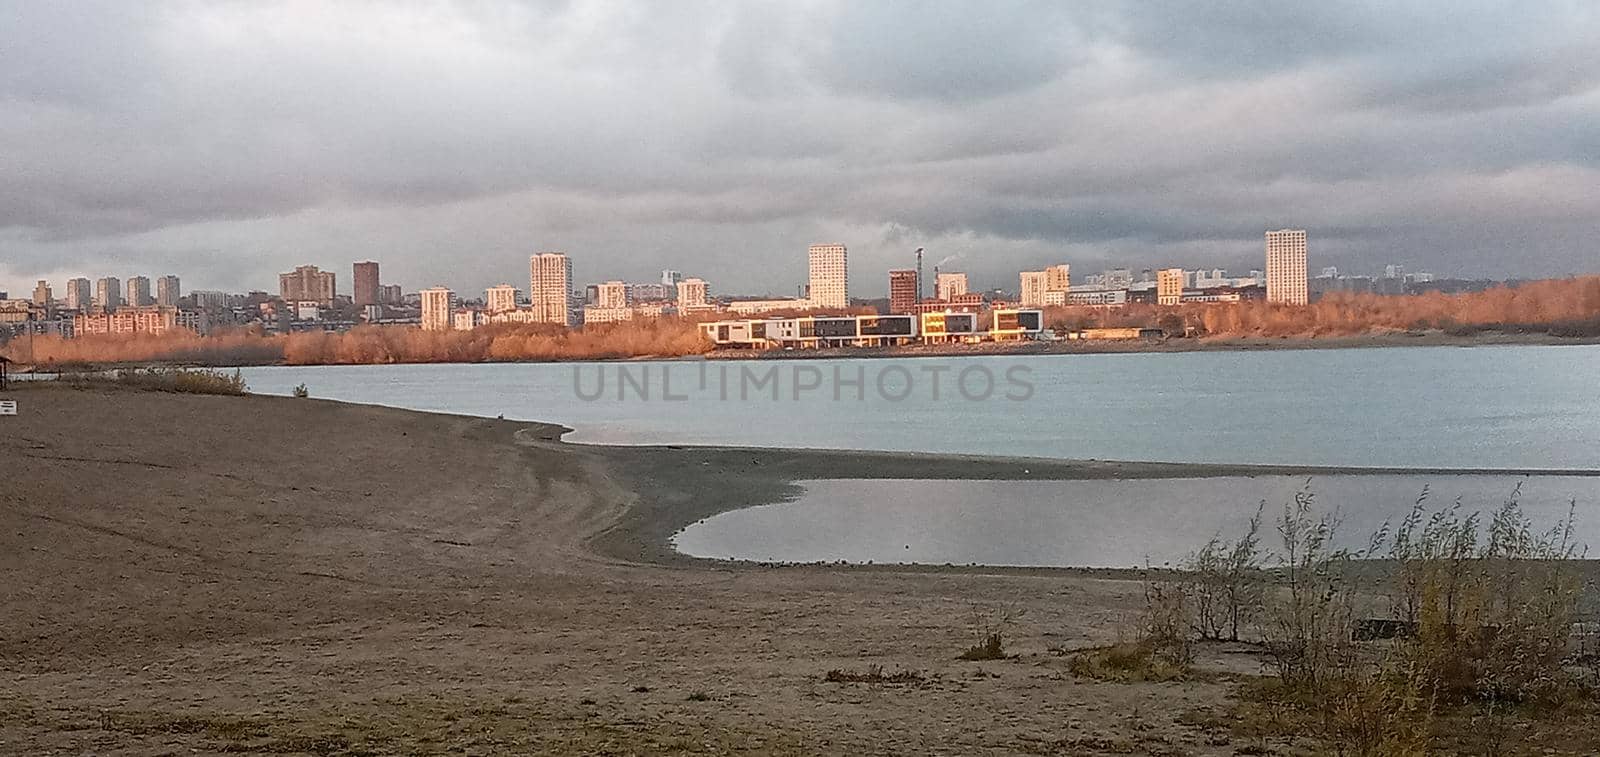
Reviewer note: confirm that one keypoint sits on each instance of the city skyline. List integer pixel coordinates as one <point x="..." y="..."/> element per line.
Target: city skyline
<point x="1013" y="136"/>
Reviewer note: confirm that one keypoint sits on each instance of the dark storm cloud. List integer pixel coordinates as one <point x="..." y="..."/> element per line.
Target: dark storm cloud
<point x="230" y="140"/>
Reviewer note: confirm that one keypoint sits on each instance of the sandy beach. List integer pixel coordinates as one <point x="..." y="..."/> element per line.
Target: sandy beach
<point x="272" y="575"/>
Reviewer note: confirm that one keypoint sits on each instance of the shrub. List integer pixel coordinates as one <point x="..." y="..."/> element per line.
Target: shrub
<point x="185" y="380"/>
<point x="1223" y="583"/>
<point x="990" y="647"/>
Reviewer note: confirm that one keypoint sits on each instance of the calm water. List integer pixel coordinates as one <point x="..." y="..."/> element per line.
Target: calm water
<point x="1092" y="523"/>
<point x="1498" y="407"/>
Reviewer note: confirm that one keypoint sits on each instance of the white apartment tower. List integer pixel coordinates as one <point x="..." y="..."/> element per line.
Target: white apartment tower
<point x="1058" y="278"/>
<point x="830" y="276"/>
<point x="1034" y="285"/>
<point x="1286" y="266"/>
<point x="1169" y="286"/>
<point x="611" y="295"/>
<point x="501" y="298"/>
<point x="692" y="294"/>
<point x="948" y="285"/>
<point x="437" y="305"/>
<point x="550" y="288"/>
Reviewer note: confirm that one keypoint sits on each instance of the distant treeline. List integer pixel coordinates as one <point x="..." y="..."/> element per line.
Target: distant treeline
<point x="1558" y="307"/>
<point x="665" y="337"/>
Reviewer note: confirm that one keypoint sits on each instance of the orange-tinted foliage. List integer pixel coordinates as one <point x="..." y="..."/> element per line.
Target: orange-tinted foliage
<point x="372" y="344"/>
<point x="1566" y="307"/>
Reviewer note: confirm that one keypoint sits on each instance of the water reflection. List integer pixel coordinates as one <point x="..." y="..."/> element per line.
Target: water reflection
<point x="1091" y="523"/>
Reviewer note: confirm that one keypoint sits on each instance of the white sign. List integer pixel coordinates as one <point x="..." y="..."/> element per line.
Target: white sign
<point x="8" y="407"/>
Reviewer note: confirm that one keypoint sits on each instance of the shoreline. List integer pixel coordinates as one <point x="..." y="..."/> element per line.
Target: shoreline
<point x="259" y="574"/>
<point x="1024" y="348"/>
<point x="689" y="483"/>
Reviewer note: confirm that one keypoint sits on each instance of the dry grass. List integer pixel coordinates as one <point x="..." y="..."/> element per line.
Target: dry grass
<point x="1127" y="662"/>
<point x="181" y="380"/>
<point x="872" y="674"/>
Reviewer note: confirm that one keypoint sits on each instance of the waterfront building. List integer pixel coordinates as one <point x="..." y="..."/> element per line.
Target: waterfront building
<point x="610" y="295"/>
<point x="1286" y="266"/>
<point x="80" y="294"/>
<point x="108" y="293"/>
<point x="438" y="304"/>
<point x="168" y="291"/>
<point x="948" y="285"/>
<point x="365" y="283"/>
<point x="138" y="292"/>
<point x="593" y="315"/>
<point x="902" y="290"/>
<point x="1034" y="285"/>
<point x="149" y="319"/>
<point x="829" y="276"/>
<point x="500" y="298"/>
<point x="1169" y="286"/>
<point x="550" y="287"/>
<point x="307" y="283"/>
<point x="1058" y="278"/>
<point x="693" y="294"/>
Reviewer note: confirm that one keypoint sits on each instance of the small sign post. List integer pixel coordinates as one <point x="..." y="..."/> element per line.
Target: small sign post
<point x="8" y="407"/>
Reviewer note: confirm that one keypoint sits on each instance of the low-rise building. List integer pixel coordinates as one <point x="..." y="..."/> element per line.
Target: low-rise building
<point x="150" y="319"/>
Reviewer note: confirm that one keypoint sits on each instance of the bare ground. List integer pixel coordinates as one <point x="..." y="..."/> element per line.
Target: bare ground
<point x="268" y="575"/>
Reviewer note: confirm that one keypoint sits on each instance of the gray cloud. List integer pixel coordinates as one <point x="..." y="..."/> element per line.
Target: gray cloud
<point x="228" y="141"/>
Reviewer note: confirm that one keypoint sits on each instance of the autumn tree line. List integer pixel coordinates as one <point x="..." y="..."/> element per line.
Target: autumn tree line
<point x="1558" y="307"/>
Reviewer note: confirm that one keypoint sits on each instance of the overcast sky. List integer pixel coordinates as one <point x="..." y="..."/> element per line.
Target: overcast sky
<point x="228" y="141"/>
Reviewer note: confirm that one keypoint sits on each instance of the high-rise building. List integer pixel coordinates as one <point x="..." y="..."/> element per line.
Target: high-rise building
<point x="611" y="294"/>
<point x="692" y="294"/>
<point x="108" y="293"/>
<point x="391" y="294"/>
<point x="364" y="283"/>
<point x="830" y="276"/>
<point x="1286" y="266"/>
<point x="168" y="291"/>
<point x="209" y="299"/>
<point x="307" y="283"/>
<point x="42" y="295"/>
<point x="500" y="298"/>
<point x="437" y="305"/>
<point x="550" y="287"/>
<point x="1058" y="278"/>
<point x="670" y="278"/>
<point x="80" y="294"/>
<point x="1034" y="285"/>
<point x="949" y="285"/>
<point x="139" y="292"/>
<point x="1169" y="286"/>
<point x="903" y="291"/>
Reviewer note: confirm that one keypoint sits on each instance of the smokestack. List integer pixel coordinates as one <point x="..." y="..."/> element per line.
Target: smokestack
<point x="919" y="275"/>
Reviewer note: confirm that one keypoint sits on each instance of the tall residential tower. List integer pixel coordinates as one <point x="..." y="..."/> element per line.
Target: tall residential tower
<point x="550" y="287"/>
<point x="365" y="284"/>
<point x="1286" y="266"/>
<point x="830" y="276"/>
<point x="168" y="291"/>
